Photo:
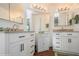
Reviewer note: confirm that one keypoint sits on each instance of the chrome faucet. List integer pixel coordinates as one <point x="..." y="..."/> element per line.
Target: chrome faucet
<point x="15" y="27"/>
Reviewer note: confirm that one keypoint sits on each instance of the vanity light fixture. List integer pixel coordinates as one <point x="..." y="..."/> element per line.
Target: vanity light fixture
<point x="63" y="9"/>
<point x="36" y="6"/>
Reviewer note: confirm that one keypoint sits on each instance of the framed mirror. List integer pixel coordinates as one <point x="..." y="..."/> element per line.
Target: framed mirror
<point x="55" y="21"/>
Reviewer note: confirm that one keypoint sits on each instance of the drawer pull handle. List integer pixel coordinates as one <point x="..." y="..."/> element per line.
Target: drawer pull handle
<point x="31" y="40"/>
<point x="57" y="42"/>
<point x="32" y="34"/>
<point x="21" y="36"/>
<point x="57" y="34"/>
<point x="69" y="40"/>
<point x="57" y="38"/>
<point x="69" y="34"/>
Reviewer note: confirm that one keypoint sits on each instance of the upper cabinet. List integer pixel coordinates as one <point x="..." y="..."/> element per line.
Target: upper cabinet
<point x="4" y="11"/>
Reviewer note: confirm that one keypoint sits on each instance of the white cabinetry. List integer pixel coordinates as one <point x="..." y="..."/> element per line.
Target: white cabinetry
<point x="17" y="44"/>
<point x="42" y="42"/>
<point x="57" y="41"/>
<point x="68" y="42"/>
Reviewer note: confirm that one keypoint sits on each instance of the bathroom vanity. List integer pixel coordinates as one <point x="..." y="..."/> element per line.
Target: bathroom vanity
<point x="17" y="43"/>
<point x="42" y="41"/>
<point x="66" y="42"/>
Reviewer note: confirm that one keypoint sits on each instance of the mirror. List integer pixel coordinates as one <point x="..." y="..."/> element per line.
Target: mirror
<point x="55" y="21"/>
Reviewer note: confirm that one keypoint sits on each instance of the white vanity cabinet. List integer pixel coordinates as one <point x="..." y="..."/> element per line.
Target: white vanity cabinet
<point x="17" y="44"/>
<point x="42" y="42"/>
<point x="18" y="48"/>
<point x="69" y="42"/>
<point x="3" y="44"/>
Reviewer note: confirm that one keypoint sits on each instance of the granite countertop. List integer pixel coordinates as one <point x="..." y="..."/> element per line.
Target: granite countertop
<point x="64" y="30"/>
<point x="17" y="31"/>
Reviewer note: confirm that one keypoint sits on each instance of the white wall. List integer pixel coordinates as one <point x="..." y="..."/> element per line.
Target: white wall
<point x="4" y="11"/>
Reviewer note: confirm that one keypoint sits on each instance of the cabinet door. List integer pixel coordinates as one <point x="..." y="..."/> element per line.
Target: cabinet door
<point x="18" y="49"/>
<point x="65" y="44"/>
<point x="14" y="49"/>
<point x="40" y="45"/>
<point x="46" y="43"/>
<point x="74" y="45"/>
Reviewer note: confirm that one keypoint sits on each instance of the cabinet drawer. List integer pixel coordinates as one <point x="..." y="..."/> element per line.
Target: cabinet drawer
<point x="30" y="53"/>
<point x="14" y="37"/>
<point x="31" y="41"/>
<point x="57" y="47"/>
<point x="57" y="44"/>
<point x="30" y="50"/>
<point x="57" y="34"/>
<point x="70" y="34"/>
<point x="57" y="38"/>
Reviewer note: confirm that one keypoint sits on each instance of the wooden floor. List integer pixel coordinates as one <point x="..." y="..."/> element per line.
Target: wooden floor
<point x="45" y="53"/>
